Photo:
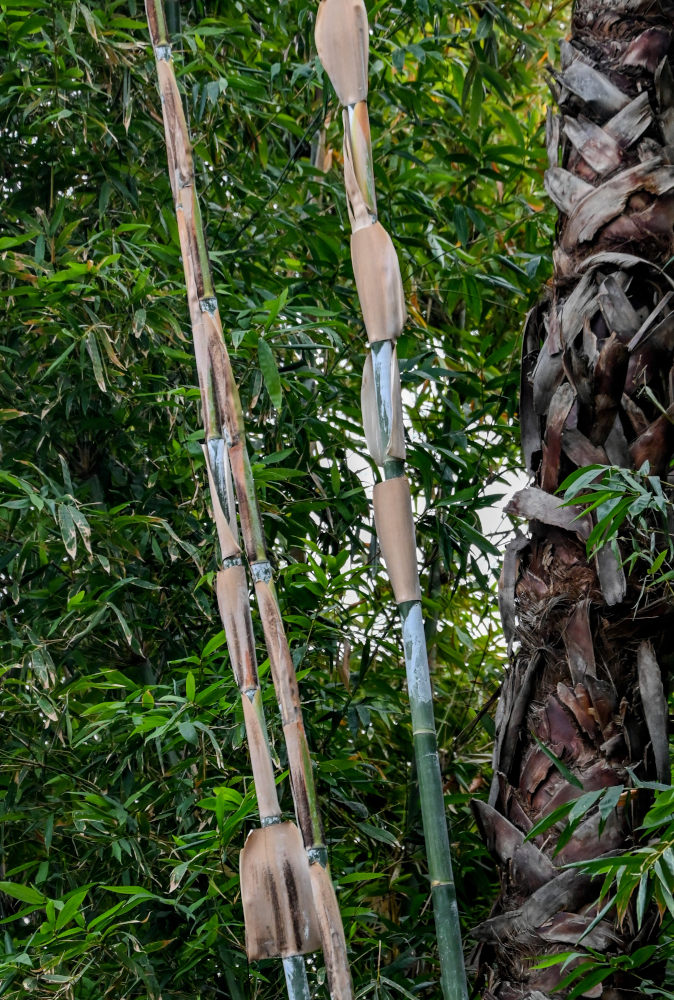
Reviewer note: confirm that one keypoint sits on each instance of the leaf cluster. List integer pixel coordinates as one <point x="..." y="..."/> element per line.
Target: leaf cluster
<point x="633" y="513"/>
<point x="636" y="883"/>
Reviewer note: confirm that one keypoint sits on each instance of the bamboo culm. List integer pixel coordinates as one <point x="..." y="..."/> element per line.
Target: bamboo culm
<point x="232" y="589"/>
<point x="342" y="41"/>
<point x="226" y="455"/>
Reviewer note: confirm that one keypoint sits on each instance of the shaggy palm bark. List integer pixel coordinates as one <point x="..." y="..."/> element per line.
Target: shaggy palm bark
<point x="585" y="677"/>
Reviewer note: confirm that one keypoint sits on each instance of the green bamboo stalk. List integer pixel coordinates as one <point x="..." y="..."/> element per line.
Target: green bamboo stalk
<point x="342" y="42"/>
<point x="226" y="437"/>
<point x="296" y="977"/>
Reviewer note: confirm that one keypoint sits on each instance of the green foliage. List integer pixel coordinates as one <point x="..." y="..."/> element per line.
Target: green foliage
<point x="634" y="508"/>
<point x="634" y="883"/>
<point x="124" y="778"/>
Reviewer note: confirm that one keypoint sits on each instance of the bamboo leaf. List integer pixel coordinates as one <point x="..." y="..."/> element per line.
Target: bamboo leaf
<point x="376" y="833"/>
<point x="274" y="306"/>
<point x="559" y="764"/>
<point x="97" y="364"/>
<point x="609" y="802"/>
<point x="126" y="629"/>
<point x="68" y="532"/>
<point x="71" y="908"/>
<point x="591" y="979"/>
<point x="643" y="897"/>
<point x="82" y="526"/>
<point x="188" y="732"/>
<point x="24" y="893"/>
<point x="270" y="372"/>
<point x="215" y="642"/>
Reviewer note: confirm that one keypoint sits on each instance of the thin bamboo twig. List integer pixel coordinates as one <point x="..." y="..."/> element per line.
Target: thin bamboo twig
<point x="342" y="41"/>
<point x="226" y="450"/>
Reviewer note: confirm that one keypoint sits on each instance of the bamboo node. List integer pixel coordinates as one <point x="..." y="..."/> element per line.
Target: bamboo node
<point x="232" y="561"/>
<point x="162" y="53"/>
<point x="318" y="856"/>
<point x="261" y="571"/>
<point x="269" y="820"/>
<point x="209" y="305"/>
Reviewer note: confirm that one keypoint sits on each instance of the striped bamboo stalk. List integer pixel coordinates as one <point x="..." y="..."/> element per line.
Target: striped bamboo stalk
<point x="342" y="37"/>
<point x="230" y="473"/>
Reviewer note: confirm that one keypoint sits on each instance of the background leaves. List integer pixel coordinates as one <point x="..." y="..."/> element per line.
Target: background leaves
<point x="125" y="779"/>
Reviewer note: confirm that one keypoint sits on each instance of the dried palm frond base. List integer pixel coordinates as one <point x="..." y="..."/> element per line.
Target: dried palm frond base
<point x="591" y="641"/>
<point x="575" y="686"/>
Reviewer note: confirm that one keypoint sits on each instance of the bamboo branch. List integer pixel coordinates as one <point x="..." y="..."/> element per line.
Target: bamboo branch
<point x="227" y="455"/>
<point x="342" y="43"/>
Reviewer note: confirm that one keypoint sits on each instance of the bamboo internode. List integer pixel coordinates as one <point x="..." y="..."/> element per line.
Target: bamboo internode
<point x="342" y="41"/>
<point x="289" y="899"/>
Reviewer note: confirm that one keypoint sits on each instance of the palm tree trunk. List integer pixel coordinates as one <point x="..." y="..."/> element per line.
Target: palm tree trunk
<point x="587" y="648"/>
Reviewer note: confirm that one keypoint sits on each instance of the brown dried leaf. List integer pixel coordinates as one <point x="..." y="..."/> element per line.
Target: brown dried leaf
<point x="609" y="199"/>
<point x="594" y="89"/>
<point x="629" y="125"/>
<point x="617" y="310"/>
<point x="507" y="583"/>
<point x="580" y="449"/>
<point x="578" y="642"/>
<point x="535" y="504"/>
<point x="578" y="703"/>
<point x="597" y="147"/>
<point x="565" y="189"/>
<point x="655" y="708"/>
<point x="611" y="576"/>
<point x="528" y="865"/>
<point x="558" y="411"/>
<point x="655" y="445"/>
<point x="609" y="379"/>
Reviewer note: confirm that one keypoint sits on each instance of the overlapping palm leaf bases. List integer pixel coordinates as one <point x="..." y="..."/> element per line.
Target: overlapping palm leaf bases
<point x="583" y="702"/>
<point x="286" y="887"/>
<point x="342" y="40"/>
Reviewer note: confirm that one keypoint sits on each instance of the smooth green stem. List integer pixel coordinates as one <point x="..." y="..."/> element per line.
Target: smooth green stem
<point x="206" y="291"/>
<point x="443" y="891"/>
<point x="173" y="17"/>
<point x="382" y="358"/>
<point x="219" y="462"/>
<point x="256" y="542"/>
<point x="445" y="909"/>
<point x="296" y="978"/>
<point x="210" y="409"/>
